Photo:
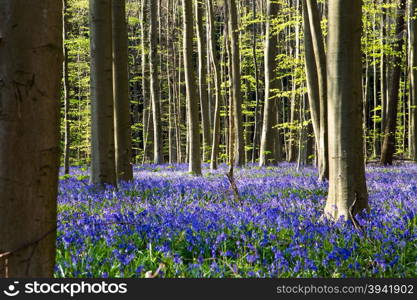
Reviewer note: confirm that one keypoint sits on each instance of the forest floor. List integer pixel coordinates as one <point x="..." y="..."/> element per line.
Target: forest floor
<point x="167" y="223"/>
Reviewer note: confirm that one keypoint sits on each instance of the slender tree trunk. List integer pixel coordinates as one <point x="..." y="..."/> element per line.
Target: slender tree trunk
<point x="383" y="73"/>
<point x="217" y="85"/>
<point x="347" y="185"/>
<point x="376" y="141"/>
<point x="192" y="98"/>
<point x="239" y="155"/>
<point x="147" y="121"/>
<point x="255" y="139"/>
<point x="413" y="82"/>
<point x="103" y="167"/>
<point x="122" y="120"/>
<point x="365" y="93"/>
<point x="31" y="56"/>
<point x="295" y="116"/>
<point x="67" y="133"/>
<point x="320" y="56"/>
<point x="302" y="140"/>
<point x="170" y="59"/>
<point x="312" y="78"/>
<point x="271" y="83"/>
<point x="388" y="147"/>
<point x="155" y="93"/>
<point x="202" y="79"/>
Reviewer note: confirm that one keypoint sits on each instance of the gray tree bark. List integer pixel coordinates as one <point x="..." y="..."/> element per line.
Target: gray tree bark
<point x="388" y="146"/>
<point x="103" y="166"/>
<point x="217" y="85"/>
<point x="267" y="152"/>
<point x="255" y="137"/>
<point x="192" y="98"/>
<point x="156" y="106"/>
<point x="413" y="81"/>
<point x="122" y="120"/>
<point x="311" y="76"/>
<point x="31" y="56"/>
<point x="202" y="79"/>
<point x="239" y="154"/>
<point x="147" y="120"/>
<point x="67" y="133"/>
<point x="320" y="57"/>
<point x="347" y="186"/>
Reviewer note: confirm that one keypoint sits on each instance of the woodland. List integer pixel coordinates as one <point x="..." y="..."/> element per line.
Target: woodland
<point x="208" y="138"/>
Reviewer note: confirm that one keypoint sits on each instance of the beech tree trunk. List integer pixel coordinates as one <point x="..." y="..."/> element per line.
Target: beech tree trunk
<point x="217" y="85"/>
<point x="192" y="98"/>
<point x="31" y="56"/>
<point x="388" y="146"/>
<point x="239" y="154"/>
<point x="312" y="80"/>
<point x="320" y="58"/>
<point x="156" y="106"/>
<point x="256" y="125"/>
<point x="67" y="133"/>
<point x="122" y="120"/>
<point x="267" y="152"/>
<point x="413" y="81"/>
<point x="147" y="135"/>
<point x="103" y="166"/>
<point x="347" y="185"/>
<point x="202" y="79"/>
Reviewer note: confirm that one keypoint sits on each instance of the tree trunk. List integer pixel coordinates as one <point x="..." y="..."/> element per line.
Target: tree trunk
<point x="170" y="59"/>
<point x="103" y="168"/>
<point x="202" y="79"/>
<point x="271" y="84"/>
<point x="255" y="138"/>
<point x="217" y="85"/>
<point x="122" y="120"/>
<point x="388" y="146"/>
<point x="312" y="77"/>
<point x="239" y="155"/>
<point x="295" y="116"/>
<point x="147" y="121"/>
<point x="156" y="106"/>
<point x="347" y="185"/>
<point x="31" y="56"/>
<point x="376" y="142"/>
<point x="320" y="56"/>
<point x="67" y="133"/>
<point x="413" y="82"/>
<point x="383" y="73"/>
<point x="192" y="98"/>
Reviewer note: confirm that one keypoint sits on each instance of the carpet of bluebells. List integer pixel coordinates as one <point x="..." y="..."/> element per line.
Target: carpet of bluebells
<point x="167" y="223"/>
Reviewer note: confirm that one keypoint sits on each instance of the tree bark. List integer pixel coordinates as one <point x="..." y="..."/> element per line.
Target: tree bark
<point x="103" y="167"/>
<point x="413" y="81"/>
<point x="239" y="155"/>
<point x="156" y="107"/>
<point x="217" y="85"/>
<point x="388" y="146"/>
<point x="31" y="56"/>
<point x="312" y="78"/>
<point x="271" y="83"/>
<point x="67" y="133"/>
<point x="147" y="135"/>
<point x="202" y="79"/>
<point x="347" y="185"/>
<point x="255" y="138"/>
<point x="320" y="57"/>
<point x="122" y="119"/>
<point x="192" y="98"/>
